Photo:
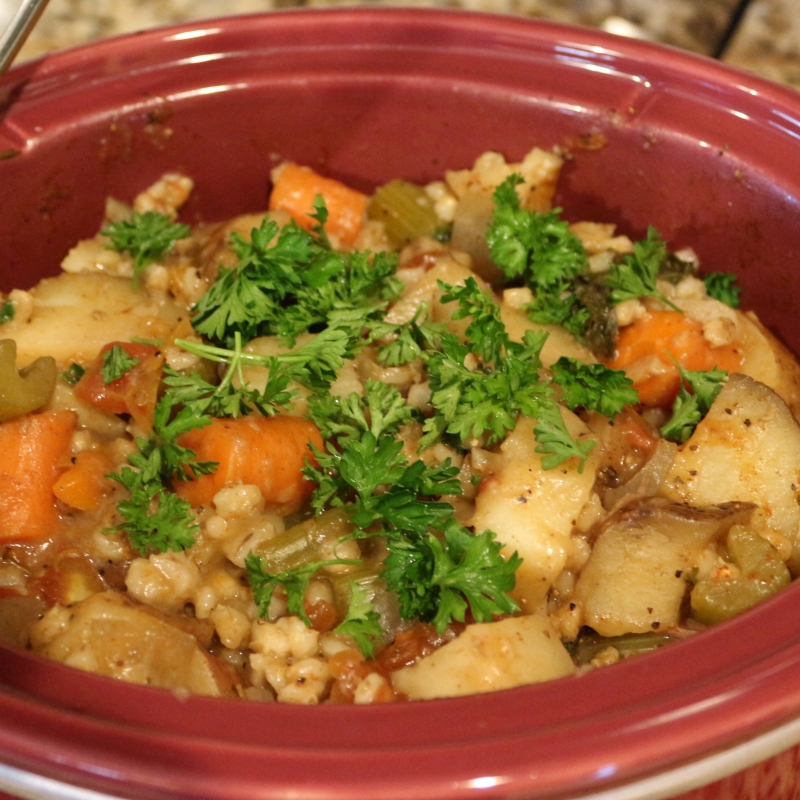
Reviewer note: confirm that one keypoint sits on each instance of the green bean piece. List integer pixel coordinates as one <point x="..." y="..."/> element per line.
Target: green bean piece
<point x="759" y="572"/>
<point x="315" y="539"/>
<point x="25" y="390"/>
<point x="589" y="646"/>
<point x="405" y="210"/>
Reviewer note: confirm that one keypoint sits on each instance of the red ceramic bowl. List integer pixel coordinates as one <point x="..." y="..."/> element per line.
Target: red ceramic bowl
<point x="707" y="154"/>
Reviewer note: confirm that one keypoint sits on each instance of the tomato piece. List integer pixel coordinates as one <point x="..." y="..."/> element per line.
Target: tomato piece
<point x="134" y="393"/>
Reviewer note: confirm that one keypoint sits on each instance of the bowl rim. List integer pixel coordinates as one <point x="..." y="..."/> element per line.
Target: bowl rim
<point x="122" y="715"/>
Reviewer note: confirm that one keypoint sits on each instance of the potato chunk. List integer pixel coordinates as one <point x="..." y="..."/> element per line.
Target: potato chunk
<point x="109" y="635"/>
<point x="488" y="657"/>
<point x="533" y="510"/>
<point x="635" y="578"/>
<point x="75" y="315"/>
<point x="747" y="448"/>
<point x="768" y="361"/>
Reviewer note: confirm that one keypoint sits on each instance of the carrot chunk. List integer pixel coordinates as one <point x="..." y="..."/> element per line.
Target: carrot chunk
<point x="294" y="191"/>
<point x="269" y="452"/>
<point x="643" y="347"/>
<point x="135" y="393"/>
<point x="33" y="451"/>
<point x="84" y="485"/>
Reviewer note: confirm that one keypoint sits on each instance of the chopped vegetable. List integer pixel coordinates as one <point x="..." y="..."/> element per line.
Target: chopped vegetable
<point x="266" y="451"/>
<point x="7" y="311"/>
<point x="85" y="484"/>
<point x="124" y="379"/>
<point x="405" y="210"/>
<point x="26" y="390"/>
<point x="297" y="187"/>
<point x="756" y="572"/>
<point x="661" y="336"/>
<point x="34" y="450"/>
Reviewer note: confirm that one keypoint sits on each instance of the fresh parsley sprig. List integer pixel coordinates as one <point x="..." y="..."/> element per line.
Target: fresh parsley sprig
<point x="690" y="408"/>
<point x="411" y="340"/>
<point x="361" y="622"/>
<point x="115" y="363"/>
<point x="153" y="517"/>
<point x="487" y="401"/>
<point x="382" y="409"/>
<point x="386" y="495"/>
<point x="439" y="579"/>
<point x="593" y="386"/>
<point x="146" y="236"/>
<point x="539" y="248"/>
<point x="720" y="286"/>
<point x="295" y="583"/>
<point x="637" y="275"/>
<point x="287" y="281"/>
<point x="313" y="365"/>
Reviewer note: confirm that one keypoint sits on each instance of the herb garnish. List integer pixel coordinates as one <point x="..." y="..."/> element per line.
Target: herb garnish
<point x="146" y="236"/>
<point x="690" y="408"/>
<point x="720" y="286"/>
<point x="154" y="518"/>
<point x="116" y="361"/>
<point x="593" y="386"/>
<point x="487" y="400"/>
<point x="288" y="281"/>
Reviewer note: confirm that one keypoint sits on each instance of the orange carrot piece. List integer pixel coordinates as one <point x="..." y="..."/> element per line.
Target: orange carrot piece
<point x="295" y="189"/>
<point x="84" y="485"/>
<point x="135" y="393"/>
<point x="662" y="332"/>
<point x="33" y="452"/>
<point x="269" y="452"/>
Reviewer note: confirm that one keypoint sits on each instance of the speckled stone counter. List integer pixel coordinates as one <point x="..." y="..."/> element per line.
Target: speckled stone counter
<point x="767" y="40"/>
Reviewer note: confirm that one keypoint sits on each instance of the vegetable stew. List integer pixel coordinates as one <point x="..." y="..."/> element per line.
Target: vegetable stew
<point x="431" y="442"/>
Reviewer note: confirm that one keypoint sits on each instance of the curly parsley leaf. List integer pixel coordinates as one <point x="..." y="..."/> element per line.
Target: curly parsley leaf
<point x="146" y="236"/>
<point x="593" y="386"/>
<point x="361" y="622"/>
<point x="115" y="363"/>
<point x="637" y="275"/>
<point x="438" y="580"/>
<point x="410" y="340"/>
<point x="720" y="286"/>
<point x="556" y="443"/>
<point x="382" y="409"/>
<point x="154" y="518"/>
<point x="287" y="281"/>
<point x="690" y="408"/>
<point x="314" y="365"/>
<point x="537" y="247"/>
<point x="294" y="581"/>
<point x="72" y="374"/>
<point x="485" y="401"/>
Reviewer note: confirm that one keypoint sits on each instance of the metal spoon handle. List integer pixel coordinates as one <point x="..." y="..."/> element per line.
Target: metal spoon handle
<point x="18" y="29"/>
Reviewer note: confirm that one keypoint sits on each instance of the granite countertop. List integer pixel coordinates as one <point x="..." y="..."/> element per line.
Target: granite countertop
<point x="766" y="40"/>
